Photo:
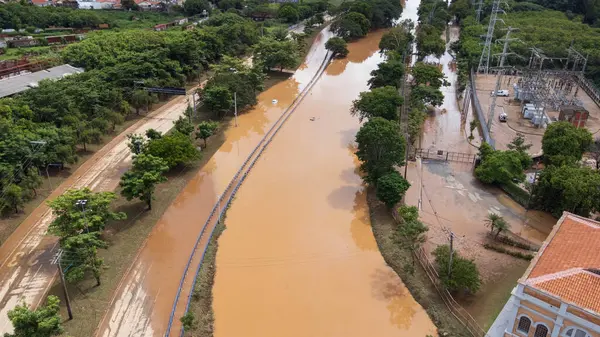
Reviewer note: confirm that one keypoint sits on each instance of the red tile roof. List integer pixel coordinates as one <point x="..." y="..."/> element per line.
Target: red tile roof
<point x="568" y="264"/>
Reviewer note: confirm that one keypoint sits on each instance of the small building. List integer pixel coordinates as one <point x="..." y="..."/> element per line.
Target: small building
<point x="576" y="115"/>
<point x="559" y="294"/>
<point x="26" y="41"/>
<point x="16" y="84"/>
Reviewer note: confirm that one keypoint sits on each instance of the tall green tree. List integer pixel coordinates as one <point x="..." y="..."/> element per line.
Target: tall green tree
<point x="397" y="39"/>
<point x="193" y="7"/>
<point x="412" y="236"/>
<point x="175" y="149"/>
<point x="288" y="13"/>
<point x="499" y="167"/>
<point x="464" y="276"/>
<point x="13" y="197"/>
<point x="218" y="99"/>
<point x="206" y="129"/>
<point x="389" y="73"/>
<point x="391" y="188"/>
<point x="137" y="143"/>
<point x="337" y="46"/>
<point x="81" y="253"/>
<point x="183" y="126"/>
<point x="277" y="54"/>
<point x="380" y="148"/>
<point x="563" y="143"/>
<point x="45" y="321"/>
<point x="70" y="219"/>
<point x="379" y="102"/>
<point x="423" y="94"/>
<point x="518" y="144"/>
<point x="428" y="74"/>
<point x="140" y="182"/>
<point x="351" y="26"/>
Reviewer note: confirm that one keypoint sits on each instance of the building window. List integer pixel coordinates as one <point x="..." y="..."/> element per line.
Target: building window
<point x="524" y="325"/>
<point x="573" y="332"/>
<point x="541" y="331"/>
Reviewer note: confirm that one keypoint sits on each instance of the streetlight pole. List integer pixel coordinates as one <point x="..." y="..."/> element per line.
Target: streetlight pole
<point x="64" y="284"/>
<point x="235" y="107"/>
<point x="82" y="203"/>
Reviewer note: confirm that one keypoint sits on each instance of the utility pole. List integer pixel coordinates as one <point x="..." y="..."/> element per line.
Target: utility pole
<point x="235" y="107"/>
<point x="403" y="116"/>
<point x="451" y="255"/>
<point x="505" y="53"/>
<point x="64" y="284"/>
<point x="484" y="60"/>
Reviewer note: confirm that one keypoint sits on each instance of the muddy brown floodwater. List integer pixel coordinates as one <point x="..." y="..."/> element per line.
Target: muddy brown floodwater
<point x="142" y="304"/>
<point x="298" y="257"/>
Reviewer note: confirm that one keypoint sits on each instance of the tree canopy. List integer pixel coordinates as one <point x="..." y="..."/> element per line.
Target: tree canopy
<point x="337" y="46"/>
<point x="139" y="182"/>
<point x="391" y="188"/>
<point x="380" y="148"/>
<point x="379" y="102"/>
<point x="175" y="149"/>
<point x="351" y="26"/>
<point x="277" y="54"/>
<point x="389" y="73"/>
<point x="563" y="143"/>
<point x="464" y="276"/>
<point x="44" y="321"/>
<point x="499" y="167"/>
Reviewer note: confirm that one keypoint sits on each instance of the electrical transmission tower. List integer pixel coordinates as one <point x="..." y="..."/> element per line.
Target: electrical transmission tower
<point x="479" y="10"/>
<point x="484" y="60"/>
<point x="500" y="68"/>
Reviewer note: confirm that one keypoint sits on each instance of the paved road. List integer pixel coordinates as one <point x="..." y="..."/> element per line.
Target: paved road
<point x="26" y="273"/>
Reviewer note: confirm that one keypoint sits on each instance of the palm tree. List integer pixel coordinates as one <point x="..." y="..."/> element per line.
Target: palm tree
<point x="501" y="225"/>
<point x="496" y="223"/>
<point x="490" y="221"/>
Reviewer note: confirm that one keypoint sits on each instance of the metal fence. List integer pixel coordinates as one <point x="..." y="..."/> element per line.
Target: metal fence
<point x="480" y="113"/>
<point x="456" y="309"/>
<point x="446" y="155"/>
<point x="227" y="196"/>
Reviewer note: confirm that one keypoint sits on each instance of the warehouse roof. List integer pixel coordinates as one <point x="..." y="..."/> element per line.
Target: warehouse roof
<point x="14" y="85"/>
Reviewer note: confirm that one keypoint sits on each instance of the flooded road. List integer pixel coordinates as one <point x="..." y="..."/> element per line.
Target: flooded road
<point x="298" y="257"/>
<point x="143" y="302"/>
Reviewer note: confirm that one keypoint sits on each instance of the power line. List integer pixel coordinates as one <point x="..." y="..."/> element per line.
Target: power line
<point x="484" y="60"/>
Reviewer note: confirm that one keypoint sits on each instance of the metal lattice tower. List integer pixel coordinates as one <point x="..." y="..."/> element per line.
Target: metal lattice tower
<point x="484" y="60"/>
<point x="501" y="68"/>
<point x="479" y="10"/>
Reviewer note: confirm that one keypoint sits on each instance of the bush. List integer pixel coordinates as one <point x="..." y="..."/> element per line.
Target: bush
<point x="518" y="194"/>
<point x="503" y="250"/>
<point x="464" y="276"/>
<point x="391" y="188"/>
<point x="337" y="46"/>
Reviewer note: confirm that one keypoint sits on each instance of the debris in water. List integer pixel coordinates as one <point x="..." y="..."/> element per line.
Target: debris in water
<point x="312" y="119"/>
<point x="274" y="101"/>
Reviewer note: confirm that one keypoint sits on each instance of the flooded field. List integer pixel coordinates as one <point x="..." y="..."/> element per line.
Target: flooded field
<point x="143" y="302"/>
<point x="298" y="257"/>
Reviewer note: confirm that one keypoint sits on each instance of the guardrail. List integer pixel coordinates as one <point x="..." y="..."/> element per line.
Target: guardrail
<point x="231" y="190"/>
<point x="480" y="114"/>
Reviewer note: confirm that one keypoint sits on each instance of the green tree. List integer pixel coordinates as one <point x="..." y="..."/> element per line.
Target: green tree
<point x="408" y="213"/>
<point x="391" y="188"/>
<point x="206" y="129"/>
<point x="81" y="251"/>
<point x="288" y="14"/>
<point x="389" y="73"/>
<point x="351" y="26"/>
<point x="568" y="188"/>
<point x="193" y="7"/>
<point x="153" y="134"/>
<point x="141" y="99"/>
<point x="13" y="196"/>
<point x="70" y="219"/>
<point x="412" y="236"/>
<point x="280" y="34"/>
<point x="500" y="167"/>
<point x="189" y="321"/>
<point x="137" y="143"/>
<point x="276" y="54"/>
<point x="464" y="276"/>
<point x="218" y="99"/>
<point x="129" y="5"/>
<point x="45" y="321"/>
<point x="563" y="143"/>
<point x="183" y="126"/>
<point x="140" y="182"/>
<point x="379" y="102"/>
<point x="380" y="148"/>
<point x="337" y="46"/>
<point x="31" y="181"/>
<point x="472" y="127"/>
<point x="175" y="149"/>
<point x="424" y="94"/>
<point x="518" y="145"/>
<point x="428" y="74"/>
<point x="429" y="41"/>
<point x="496" y="223"/>
<point x="397" y="39"/>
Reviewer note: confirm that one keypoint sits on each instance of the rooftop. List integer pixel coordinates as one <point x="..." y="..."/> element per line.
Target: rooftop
<point x="568" y="264"/>
<point x="14" y="85"/>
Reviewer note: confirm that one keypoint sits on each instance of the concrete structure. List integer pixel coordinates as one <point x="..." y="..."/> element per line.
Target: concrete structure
<point x="17" y="84"/>
<point x="559" y="294"/>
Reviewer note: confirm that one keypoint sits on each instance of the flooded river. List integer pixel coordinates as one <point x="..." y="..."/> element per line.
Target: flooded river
<point x="298" y="257"/>
<point x="142" y="304"/>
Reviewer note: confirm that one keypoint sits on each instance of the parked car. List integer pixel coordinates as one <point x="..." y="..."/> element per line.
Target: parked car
<point x="501" y="93"/>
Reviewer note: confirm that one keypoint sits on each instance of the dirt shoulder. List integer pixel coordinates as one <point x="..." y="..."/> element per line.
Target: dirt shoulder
<point x="418" y="283"/>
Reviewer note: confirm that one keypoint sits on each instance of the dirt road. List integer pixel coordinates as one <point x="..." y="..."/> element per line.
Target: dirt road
<point x="143" y="302"/>
<point x="26" y="272"/>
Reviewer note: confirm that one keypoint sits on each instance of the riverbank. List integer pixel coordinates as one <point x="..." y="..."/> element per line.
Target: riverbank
<point x="418" y="283"/>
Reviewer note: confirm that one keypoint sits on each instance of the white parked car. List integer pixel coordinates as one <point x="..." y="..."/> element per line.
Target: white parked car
<point x="501" y="93"/>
